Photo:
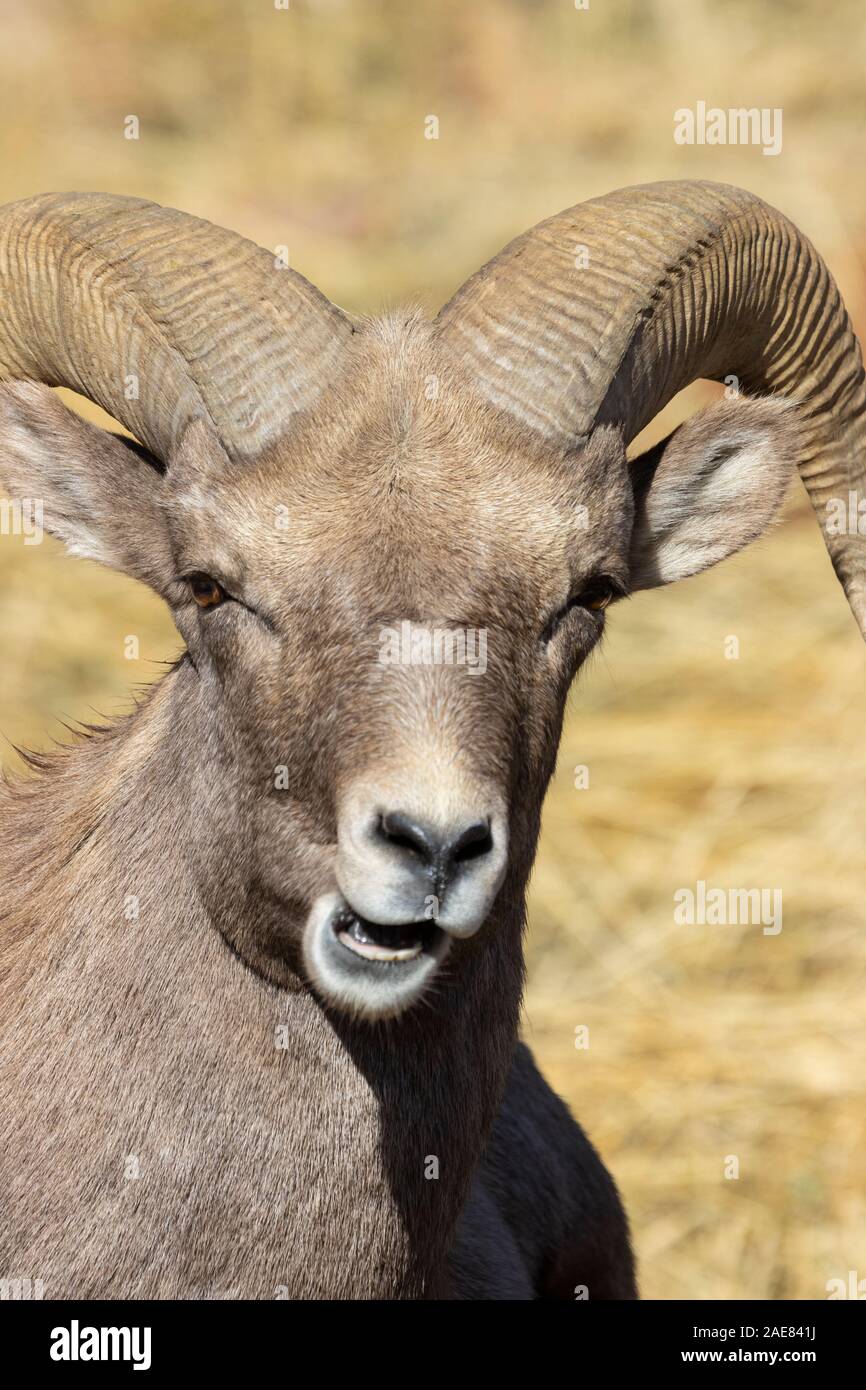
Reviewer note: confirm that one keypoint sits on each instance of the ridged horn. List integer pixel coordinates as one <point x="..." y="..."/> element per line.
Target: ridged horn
<point x="161" y="318"/>
<point x="601" y="314"/>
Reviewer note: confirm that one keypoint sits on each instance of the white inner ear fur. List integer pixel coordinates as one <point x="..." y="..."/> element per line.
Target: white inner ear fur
<point x="719" y="481"/>
<point x="95" y="495"/>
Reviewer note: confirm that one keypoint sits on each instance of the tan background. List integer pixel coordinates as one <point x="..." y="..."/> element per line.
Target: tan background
<point x="306" y="128"/>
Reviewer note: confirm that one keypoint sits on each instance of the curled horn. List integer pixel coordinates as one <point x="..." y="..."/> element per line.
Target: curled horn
<point x="161" y="318"/>
<point x="601" y="314"/>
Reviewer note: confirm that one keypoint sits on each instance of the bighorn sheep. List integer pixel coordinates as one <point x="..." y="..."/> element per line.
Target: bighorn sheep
<point x="249" y="1086"/>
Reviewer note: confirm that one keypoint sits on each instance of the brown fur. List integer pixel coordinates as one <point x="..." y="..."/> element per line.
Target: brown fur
<point x="301" y="1168"/>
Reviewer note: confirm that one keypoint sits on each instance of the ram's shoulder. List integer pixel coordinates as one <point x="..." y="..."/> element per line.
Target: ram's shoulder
<point x="555" y="1193"/>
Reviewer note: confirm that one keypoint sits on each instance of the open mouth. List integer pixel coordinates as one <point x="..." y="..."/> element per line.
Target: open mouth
<point x="386" y="944"/>
<point x="366" y="969"/>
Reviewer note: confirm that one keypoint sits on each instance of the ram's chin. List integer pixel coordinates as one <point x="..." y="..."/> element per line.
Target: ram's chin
<point x="367" y="970"/>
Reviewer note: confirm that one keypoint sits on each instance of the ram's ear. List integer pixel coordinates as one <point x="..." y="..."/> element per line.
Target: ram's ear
<point x="711" y="487"/>
<point x="99" y="494"/>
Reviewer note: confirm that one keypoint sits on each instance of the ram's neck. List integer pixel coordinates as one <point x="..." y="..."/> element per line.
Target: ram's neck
<point x="91" y="820"/>
<point x="358" y="1131"/>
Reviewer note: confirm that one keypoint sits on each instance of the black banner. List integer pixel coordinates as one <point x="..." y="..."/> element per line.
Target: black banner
<point x="157" y="1340"/>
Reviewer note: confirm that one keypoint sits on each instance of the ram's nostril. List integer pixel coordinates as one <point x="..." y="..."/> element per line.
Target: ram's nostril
<point x="472" y="843"/>
<point x="404" y="833"/>
<point x="439" y="850"/>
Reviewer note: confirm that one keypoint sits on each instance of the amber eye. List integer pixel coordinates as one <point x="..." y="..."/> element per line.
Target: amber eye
<point x="596" y="598"/>
<point x="206" y="591"/>
<point x="599" y="592"/>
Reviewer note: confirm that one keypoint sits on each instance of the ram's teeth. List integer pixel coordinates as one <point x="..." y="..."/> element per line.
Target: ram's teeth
<point x="357" y="932"/>
<point x="371" y="950"/>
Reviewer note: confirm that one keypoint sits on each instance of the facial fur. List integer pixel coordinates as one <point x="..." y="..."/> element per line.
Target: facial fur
<point x="403" y="501"/>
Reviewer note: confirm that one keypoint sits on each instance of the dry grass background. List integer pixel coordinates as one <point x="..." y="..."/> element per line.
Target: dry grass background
<point x="305" y="128"/>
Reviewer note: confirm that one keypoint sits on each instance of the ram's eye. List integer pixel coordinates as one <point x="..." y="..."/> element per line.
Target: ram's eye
<point x="206" y="591"/>
<point x="596" y="595"/>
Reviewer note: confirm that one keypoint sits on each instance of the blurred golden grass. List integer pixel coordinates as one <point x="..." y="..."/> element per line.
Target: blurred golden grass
<point x="714" y="1041"/>
<point x="306" y="128"/>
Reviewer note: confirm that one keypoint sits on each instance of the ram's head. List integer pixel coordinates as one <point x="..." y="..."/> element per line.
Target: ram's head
<point x="389" y="545"/>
